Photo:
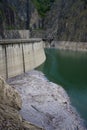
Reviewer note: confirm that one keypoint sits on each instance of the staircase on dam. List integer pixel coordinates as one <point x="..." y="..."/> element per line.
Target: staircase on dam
<point x="20" y="55"/>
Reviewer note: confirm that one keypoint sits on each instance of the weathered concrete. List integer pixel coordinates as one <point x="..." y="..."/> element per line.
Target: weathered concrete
<point x="2" y="61"/>
<point x="16" y="34"/>
<point x="20" y="55"/>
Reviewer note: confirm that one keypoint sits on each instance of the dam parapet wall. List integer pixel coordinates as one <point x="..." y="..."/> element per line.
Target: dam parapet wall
<point x="20" y="55"/>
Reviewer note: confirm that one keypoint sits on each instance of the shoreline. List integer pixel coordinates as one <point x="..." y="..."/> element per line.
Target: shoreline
<point x="45" y="104"/>
<point x="67" y="45"/>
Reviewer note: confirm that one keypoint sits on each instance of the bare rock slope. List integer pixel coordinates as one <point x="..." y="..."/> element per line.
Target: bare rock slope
<point x="10" y="103"/>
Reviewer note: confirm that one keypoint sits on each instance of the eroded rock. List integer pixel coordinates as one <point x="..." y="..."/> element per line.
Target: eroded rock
<point x="9" y="96"/>
<point x="10" y="103"/>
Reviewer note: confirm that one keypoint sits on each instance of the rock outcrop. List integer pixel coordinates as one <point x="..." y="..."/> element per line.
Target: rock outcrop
<point x="17" y="15"/>
<point x="9" y="96"/>
<point x="67" y="21"/>
<point x="10" y="103"/>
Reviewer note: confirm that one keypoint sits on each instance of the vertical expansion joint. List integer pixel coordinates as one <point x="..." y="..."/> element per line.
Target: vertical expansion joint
<point x="33" y="47"/>
<point x="6" y="62"/>
<point x="23" y="58"/>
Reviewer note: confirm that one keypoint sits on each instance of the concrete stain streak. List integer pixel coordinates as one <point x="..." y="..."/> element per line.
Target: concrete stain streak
<point x="18" y="56"/>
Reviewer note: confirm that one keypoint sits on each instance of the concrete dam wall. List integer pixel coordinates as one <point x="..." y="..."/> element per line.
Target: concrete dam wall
<point x="20" y="55"/>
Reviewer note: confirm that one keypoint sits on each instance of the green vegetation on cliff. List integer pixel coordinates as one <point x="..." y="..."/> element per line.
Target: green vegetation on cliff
<point x="43" y="6"/>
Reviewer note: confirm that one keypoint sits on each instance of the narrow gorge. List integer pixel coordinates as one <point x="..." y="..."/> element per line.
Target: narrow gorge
<point x="43" y="54"/>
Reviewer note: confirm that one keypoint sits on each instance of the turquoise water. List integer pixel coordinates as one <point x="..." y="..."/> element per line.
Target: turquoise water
<point x="69" y="69"/>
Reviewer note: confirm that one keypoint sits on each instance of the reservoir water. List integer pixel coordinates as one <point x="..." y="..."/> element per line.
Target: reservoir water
<point x="69" y="69"/>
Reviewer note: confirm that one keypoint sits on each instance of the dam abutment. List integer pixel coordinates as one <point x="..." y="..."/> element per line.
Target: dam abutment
<point x="67" y="45"/>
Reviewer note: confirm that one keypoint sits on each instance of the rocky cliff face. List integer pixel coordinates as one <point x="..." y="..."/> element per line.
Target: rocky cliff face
<point x="10" y="103"/>
<point x="67" y="20"/>
<point x="60" y="19"/>
<point x="18" y="14"/>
